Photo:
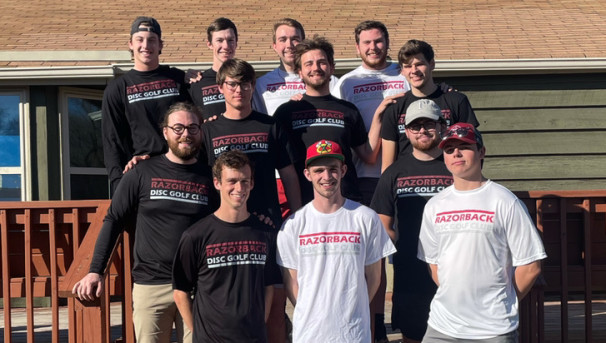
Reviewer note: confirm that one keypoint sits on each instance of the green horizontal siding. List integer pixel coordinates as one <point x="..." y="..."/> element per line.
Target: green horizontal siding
<point x="542" y="132"/>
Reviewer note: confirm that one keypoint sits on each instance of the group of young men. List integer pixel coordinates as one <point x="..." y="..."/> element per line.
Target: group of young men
<point x="287" y="171"/>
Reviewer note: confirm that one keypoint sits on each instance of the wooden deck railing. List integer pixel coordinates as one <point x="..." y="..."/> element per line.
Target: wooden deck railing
<point x="46" y="247"/>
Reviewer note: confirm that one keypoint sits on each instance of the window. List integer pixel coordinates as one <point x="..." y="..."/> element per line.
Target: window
<point x="84" y="174"/>
<point x="13" y="146"/>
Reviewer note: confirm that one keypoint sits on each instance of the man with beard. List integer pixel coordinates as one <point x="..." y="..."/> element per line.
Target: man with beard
<point x="401" y="194"/>
<point x="331" y="251"/>
<point x="281" y="84"/>
<point x="222" y="39"/>
<point x="366" y="87"/>
<point x="417" y="61"/>
<point x="319" y="115"/>
<point x="133" y="104"/>
<point x="166" y="193"/>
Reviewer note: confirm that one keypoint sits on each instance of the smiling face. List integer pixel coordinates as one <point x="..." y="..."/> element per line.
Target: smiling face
<point x="287" y="37"/>
<point x="184" y="147"/>
<point x="223" y="44"/>
<point x="234" y="186"/>
<point x="316" y="70"/>
<point x="146" y="47"/>
<point x="325" y="175"/>
<point x="420" y="137"/>
<point x="372" y="48"/>
<point x="418" y="71"/>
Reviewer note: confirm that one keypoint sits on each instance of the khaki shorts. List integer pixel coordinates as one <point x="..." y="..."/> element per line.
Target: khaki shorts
<point x="155" y="312"/>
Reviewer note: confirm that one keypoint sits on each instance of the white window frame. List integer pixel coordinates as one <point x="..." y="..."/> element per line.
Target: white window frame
<point x="24" y="144"/>
<point x="66" y="169"/>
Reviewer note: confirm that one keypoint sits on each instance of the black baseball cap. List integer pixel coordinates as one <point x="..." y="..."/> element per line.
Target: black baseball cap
<point x="151" y="26"/>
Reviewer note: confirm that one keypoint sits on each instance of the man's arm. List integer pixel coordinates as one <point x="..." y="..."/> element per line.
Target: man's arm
<point x="291" y="284"/>
<point x="269" y="296"/>
<point x="183" y="301"/>
<point x="434" y="273"/>
<point x="389" y="151"/>
<point x="372" y="272"/>
<point x="388" y="225"/>
<point x="290" y="181"/>
<point x="525" y="276"/>
<point x="89" y="288"/>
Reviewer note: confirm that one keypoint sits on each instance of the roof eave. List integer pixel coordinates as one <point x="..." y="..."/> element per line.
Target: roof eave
<point x="100" y="74"/>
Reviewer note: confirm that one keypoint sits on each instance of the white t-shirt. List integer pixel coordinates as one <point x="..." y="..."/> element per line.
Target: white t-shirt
<point x="366" y="89"/>
<point x="329" y="252"/>
<point x="277" y="87"/>
<point x="477" y="238"/>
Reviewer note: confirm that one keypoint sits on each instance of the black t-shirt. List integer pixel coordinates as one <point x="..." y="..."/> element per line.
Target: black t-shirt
<point x="227" y="266"/>
<point x="133" y="107"/>
<point x="205" y="94"/>
<point x="402" y="192"/>
<point x="264" y="144"/>
<point x="455" y="108"/>
<point x="325" y="117"/>
<point x="167" y="198"/>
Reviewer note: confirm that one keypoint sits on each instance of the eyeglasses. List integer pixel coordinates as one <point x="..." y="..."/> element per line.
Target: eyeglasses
<point x="233" y="85"/>
<point x="428" y="126"/>
<point x="178" y="129"/>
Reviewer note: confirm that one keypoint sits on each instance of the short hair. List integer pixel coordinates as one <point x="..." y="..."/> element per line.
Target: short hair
<point x="236" y="69"/>
<point x="182" y="106"/>
<point x="414" y="47"/>
<point x="220" y="24"/>
<point x="316" y="43"/>
<point x="234" y="159"/>
<point x="288" y="22"/>
<point x="368" y="25"/>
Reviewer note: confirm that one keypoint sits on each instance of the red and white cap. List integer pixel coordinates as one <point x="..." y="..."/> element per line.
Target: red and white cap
<point x="323" y="148"/>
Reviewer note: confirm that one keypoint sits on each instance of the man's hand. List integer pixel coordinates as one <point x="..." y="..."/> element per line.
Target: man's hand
<point x="446" y="88"/>
<point x="209" y="119"/>
<point x="386" y="102"/>
<point x="131" y="164"/>
<point x="264" y="219"/>
<point x="89" y="288"/>
<point x="296" y="97"/>
<point x="193" y="76"/>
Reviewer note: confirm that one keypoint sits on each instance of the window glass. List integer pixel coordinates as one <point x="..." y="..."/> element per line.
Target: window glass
<point x="85" y="145"/>
<point x="10" y="149"/>
<point x="10" y="187"/>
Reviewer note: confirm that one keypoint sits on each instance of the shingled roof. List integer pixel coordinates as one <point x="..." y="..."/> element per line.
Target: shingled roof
<point x="91" y="33"/>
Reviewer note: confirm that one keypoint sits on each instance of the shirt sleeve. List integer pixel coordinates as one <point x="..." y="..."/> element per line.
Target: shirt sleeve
<point x="523" y="237"/>
<point x="465" y="113"/>
<point x="185" y="264"/>
<point x="383" y="200"/>
<point x="389" y="124"/>
<point x="281" y="144"/>
<point x="428" y="243"/>
<point x="359" y="135"/>
<point x="287" y="254"/>
<point x="121" y="212"/>
<point x="379" y="245"/>
<point x="272" y="273"/>
<point x="258" y="103"/>
<point x="117" y="144"/>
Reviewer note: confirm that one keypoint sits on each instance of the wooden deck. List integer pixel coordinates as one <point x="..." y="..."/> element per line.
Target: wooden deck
<point x="552" y="322"/>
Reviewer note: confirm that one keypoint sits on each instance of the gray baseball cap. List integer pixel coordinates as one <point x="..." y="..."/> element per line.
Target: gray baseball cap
<point x="423" y="108"/>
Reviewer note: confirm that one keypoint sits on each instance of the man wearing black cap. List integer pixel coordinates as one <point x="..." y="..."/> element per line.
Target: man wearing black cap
<point x="482" y="247"/>
<point x="134" y="103"/>
<point x="331" y="251"/>
<point x="403" y="189"/>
